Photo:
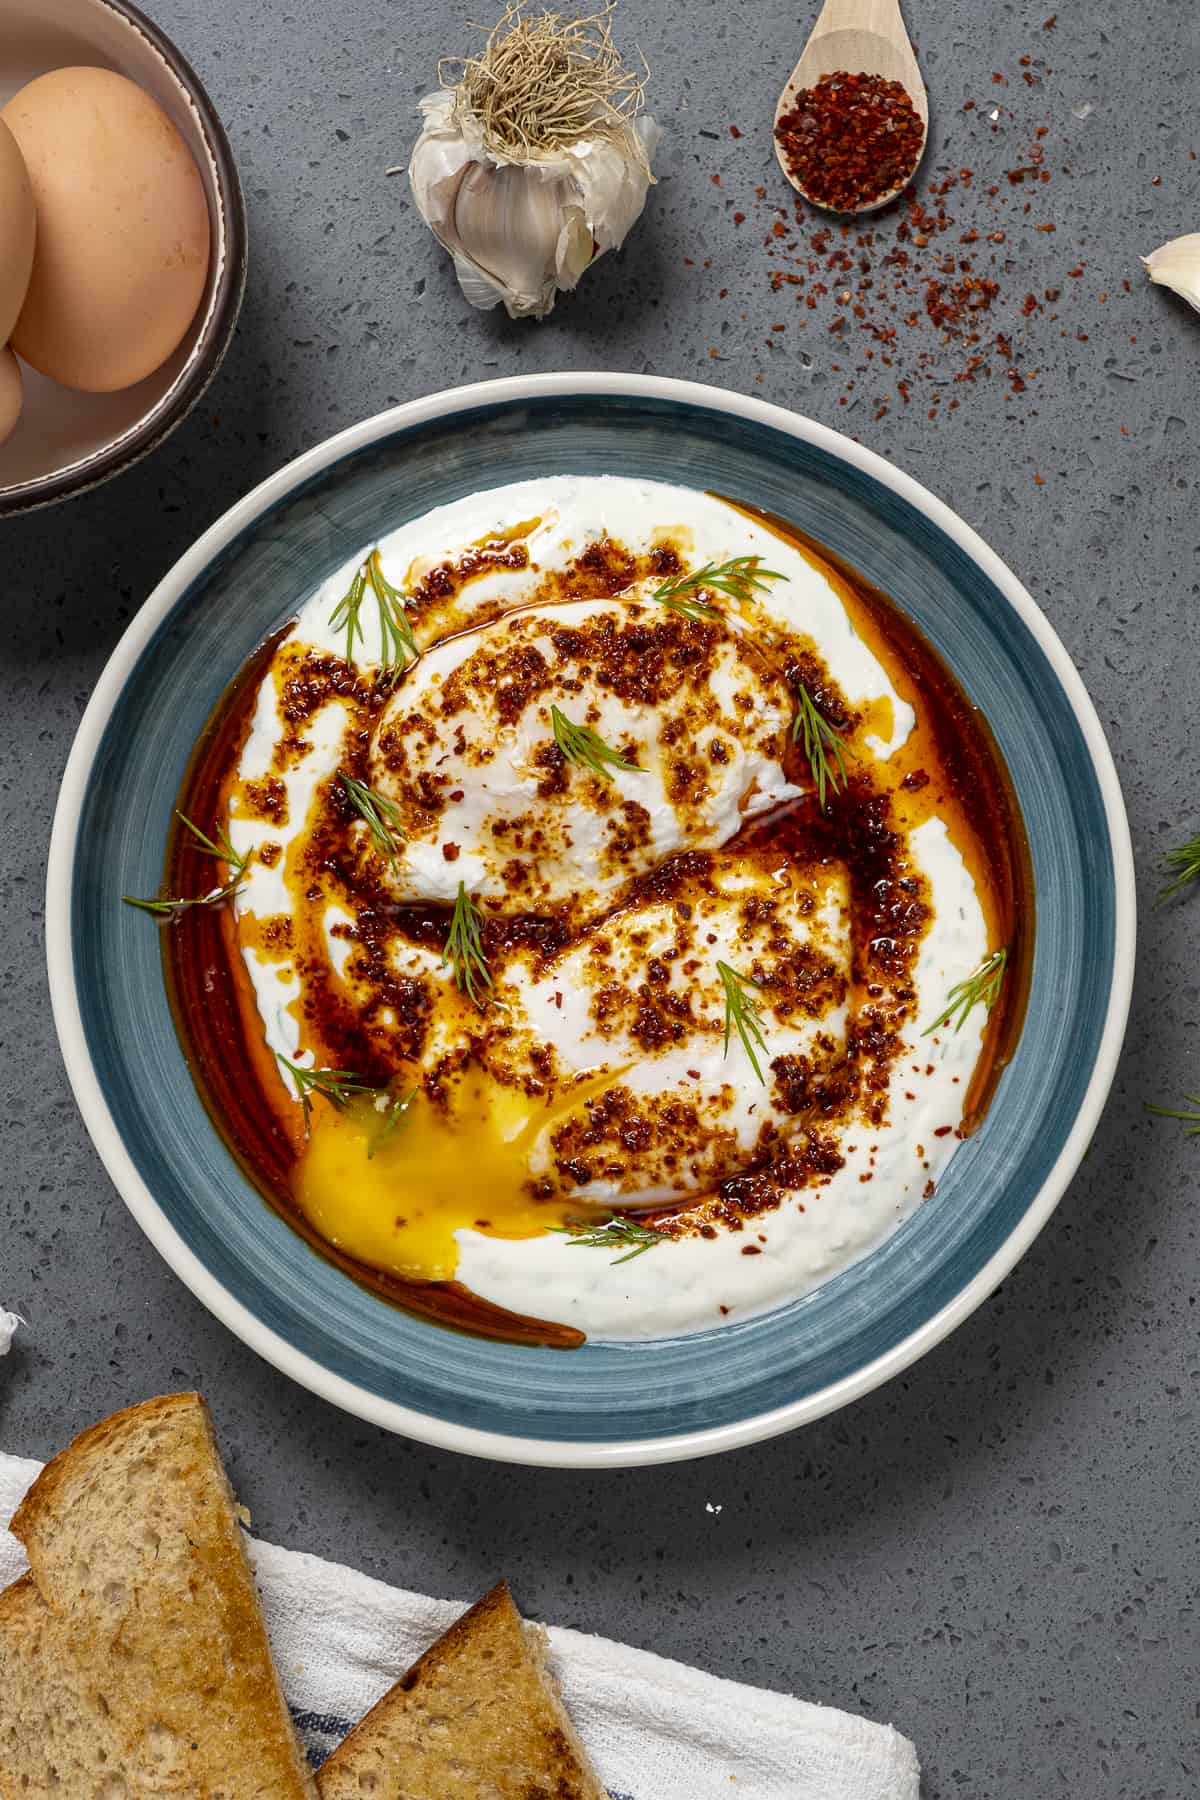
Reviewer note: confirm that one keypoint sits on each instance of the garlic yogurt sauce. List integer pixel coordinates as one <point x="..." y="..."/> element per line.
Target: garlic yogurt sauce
<point x="611" y="1088"/>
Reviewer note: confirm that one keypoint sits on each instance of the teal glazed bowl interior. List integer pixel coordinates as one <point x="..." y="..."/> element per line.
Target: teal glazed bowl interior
<point x="601" y="1404"/>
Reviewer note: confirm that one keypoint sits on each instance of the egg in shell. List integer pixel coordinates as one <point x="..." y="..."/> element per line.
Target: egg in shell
<point x="11" y="393"/>
<point x="122" y="246"/>
<point x="17" y="232"/>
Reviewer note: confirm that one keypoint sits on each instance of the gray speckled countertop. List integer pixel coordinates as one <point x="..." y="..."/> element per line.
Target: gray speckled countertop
<point x="999" y="1551"/>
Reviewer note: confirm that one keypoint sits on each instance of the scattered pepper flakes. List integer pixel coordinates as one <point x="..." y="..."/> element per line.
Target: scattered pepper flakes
<point x="916" y="285"/>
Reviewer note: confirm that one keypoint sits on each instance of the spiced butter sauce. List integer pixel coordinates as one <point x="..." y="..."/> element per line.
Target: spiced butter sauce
<point x="950" y="767"/>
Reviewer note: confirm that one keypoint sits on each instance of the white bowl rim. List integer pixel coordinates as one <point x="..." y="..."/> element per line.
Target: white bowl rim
<point x="409" y="1422"/>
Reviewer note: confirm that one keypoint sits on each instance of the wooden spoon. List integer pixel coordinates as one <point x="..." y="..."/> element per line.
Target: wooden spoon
<point x="864" y="37"/>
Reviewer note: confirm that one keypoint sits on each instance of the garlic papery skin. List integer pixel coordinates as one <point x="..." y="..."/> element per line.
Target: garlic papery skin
<point x="521" y="232"/>
<point x="1177" y="265"/>
<point x="521" y="239"/>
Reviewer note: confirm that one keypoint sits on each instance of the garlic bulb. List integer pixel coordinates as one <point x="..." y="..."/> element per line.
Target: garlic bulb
<point x="521" y="231"/>
<point x="1177" y="265"/>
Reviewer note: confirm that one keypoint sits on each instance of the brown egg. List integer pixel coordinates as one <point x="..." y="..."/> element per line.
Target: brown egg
<point x="122" y="229"/>
<point x="11" y="393"/>
<point x="16" y="231"/>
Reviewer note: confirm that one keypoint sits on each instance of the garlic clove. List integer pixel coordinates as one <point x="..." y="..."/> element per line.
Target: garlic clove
<point x="1177" y="265"/>
<point x="507" y="225"/>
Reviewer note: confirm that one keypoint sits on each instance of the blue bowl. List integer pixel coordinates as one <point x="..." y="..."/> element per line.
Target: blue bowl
<point x="603" y="1404"/>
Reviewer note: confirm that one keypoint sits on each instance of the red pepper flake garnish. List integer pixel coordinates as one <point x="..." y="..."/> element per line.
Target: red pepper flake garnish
<point x="734" y="132"/>
<point x="851" y="139"/>
<point x="918" y="284"/>
<point x="739" y="218"/>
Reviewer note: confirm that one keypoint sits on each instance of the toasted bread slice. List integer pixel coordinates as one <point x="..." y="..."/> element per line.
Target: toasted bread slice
<point x="477" y="1718"/>
<point x="133" y="1657"/>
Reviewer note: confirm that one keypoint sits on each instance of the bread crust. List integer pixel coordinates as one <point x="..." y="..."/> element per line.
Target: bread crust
<point x="46" y="1491"/>
<point x="477" y="1715"/>
<point x="133" y="1655"/>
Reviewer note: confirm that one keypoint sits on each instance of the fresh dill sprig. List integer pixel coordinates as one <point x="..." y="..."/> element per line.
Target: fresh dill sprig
<point x="1183" y="862"/>
<point x="347" y="610"/>
<point x="396" y="1115"/>
<point x="397" y="645"/>
<point x="337" y="1085"/>
<point x="580" y="744"/>
<point x="983" y="985"/>
<point x="464" y="950"/>
<point x="616" y="1232"/>
<point x="221" y="848"/>
<point x="821" y="742"/>
<point x="737" y="578"/>
<point x="742" y="1015"/>
<point x="1173" y="1112"/>
<point x="380" y="815"/>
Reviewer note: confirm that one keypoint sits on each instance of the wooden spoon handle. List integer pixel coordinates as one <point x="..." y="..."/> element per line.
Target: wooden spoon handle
<point x="880" y="17"/>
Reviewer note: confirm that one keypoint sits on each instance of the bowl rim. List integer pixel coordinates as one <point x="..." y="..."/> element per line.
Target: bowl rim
<point x="408" y="1421"/>
<point x="216" y="334"/>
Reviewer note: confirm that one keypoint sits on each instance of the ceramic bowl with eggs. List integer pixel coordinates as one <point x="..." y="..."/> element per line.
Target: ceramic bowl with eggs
<point x="651" y="933"/>
<point x="122" y="244"/>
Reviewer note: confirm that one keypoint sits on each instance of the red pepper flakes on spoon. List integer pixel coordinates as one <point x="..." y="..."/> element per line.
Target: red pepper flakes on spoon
<point x="851" y="139"/>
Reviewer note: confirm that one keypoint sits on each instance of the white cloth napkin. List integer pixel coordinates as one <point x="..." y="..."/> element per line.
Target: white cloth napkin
<point x="655" y="1729"/>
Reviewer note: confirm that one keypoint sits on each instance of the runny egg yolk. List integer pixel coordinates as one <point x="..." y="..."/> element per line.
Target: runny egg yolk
<point x="395" y="1202"/>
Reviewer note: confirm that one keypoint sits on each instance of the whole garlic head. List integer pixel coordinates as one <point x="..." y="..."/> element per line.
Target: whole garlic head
<point x="522" y="232"/>
<point x="1177" y="265"/>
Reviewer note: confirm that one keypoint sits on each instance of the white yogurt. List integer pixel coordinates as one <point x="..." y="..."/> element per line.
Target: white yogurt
<point x="692" y="1283"/>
